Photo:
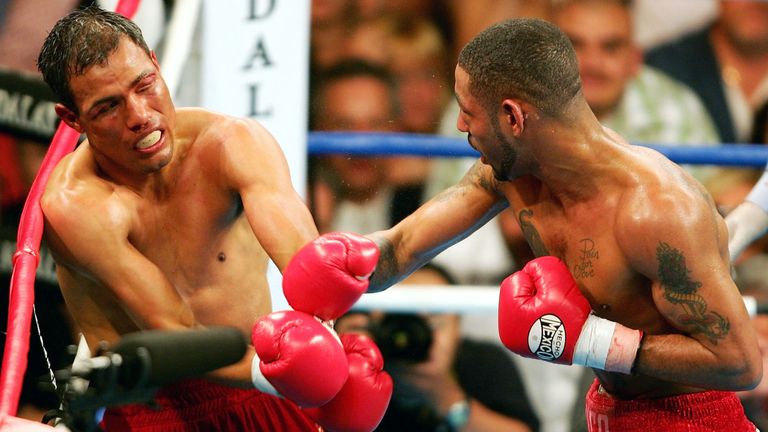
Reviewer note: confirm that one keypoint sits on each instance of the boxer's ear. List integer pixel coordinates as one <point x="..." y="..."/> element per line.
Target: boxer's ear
<point x="68" y="117"/>
<point x="153" y="56"/>
<point x="514" y="115"/>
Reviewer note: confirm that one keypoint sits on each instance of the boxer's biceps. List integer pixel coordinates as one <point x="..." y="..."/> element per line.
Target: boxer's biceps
<point x="693" y="291"/>
<point x="280" y="221"/>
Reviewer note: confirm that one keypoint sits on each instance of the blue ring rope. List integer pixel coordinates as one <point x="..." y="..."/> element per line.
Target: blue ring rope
<point x="390" y="144"/>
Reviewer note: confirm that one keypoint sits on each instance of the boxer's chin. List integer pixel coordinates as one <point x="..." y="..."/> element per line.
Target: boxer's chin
<point x="157" y="163"/>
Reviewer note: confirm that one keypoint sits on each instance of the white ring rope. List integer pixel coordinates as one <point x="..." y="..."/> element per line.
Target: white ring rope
<point x="433" y="298"/>
<point x="462" y="299"/>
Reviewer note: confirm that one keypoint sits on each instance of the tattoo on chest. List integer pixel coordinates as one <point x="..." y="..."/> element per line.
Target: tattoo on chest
<point x="531" y="234"/>
<point x="587" y="255"/>
<point x="680" y="289"/>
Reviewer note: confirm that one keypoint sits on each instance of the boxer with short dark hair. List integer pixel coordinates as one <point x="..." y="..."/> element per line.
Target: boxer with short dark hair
<point x="166" y="218"/>
<point x="632" y="277"/>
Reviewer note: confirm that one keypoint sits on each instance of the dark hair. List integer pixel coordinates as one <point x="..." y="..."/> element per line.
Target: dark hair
<point x="346" y="69"/>
<point x="527" y="58"/>
<point x="84" y="38"/>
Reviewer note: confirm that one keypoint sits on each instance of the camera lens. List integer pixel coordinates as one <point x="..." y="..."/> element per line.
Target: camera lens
<point x="404" y="337"/>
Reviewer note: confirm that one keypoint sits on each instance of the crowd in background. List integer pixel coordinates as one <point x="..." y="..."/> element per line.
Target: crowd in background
<point x="679" y="72"/>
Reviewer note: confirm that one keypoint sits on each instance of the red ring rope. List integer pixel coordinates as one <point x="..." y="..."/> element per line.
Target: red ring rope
<point x="25" y="261"/>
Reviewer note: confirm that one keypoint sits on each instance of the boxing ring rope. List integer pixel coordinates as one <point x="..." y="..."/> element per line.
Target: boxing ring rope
<point x="460" y="299"/>
<point x="393" y="143"/>
<point x="26" y="259"/>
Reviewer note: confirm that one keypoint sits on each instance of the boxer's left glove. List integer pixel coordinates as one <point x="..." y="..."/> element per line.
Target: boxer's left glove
<point x="297" y="357"/>
<point x="362" y="402"/>
<point x="329" y="274"/>
<point x="542" y="314"/>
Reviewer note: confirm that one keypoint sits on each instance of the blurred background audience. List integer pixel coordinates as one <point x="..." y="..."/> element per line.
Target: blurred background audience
<point x="726" y="63"/>
<point x="355" y="193"/>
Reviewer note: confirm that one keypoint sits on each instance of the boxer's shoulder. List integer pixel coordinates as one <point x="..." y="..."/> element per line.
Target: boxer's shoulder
<point x="656" y="196"/>
<point x="198" y="120"/>
<point x="76" y="185"/>
<point x="208" y="128"/>
<point x="80" y="203"/>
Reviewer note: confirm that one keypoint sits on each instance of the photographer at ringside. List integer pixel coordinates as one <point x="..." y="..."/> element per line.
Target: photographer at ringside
<point x="442" y="381"/>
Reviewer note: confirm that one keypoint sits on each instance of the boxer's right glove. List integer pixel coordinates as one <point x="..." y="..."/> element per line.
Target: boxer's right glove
<point x="543" y="315"/>
<point x="329" y="274"/>
<point x="362" y="402"/>
<point x="297" y="357"/>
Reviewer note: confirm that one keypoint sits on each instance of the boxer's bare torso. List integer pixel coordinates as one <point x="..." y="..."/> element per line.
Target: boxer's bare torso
<point x="642" y="239"/>
<point x="165" y="218"/>
<point x="589" y="233"/>
<point x="191" y="227"/>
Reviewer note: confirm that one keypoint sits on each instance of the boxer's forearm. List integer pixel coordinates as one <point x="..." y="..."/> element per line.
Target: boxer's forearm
<point x="237" y="374"/>
<point x="682" y="359"/>
<point x="386" y="273"/>
<point x="393" y="265"/>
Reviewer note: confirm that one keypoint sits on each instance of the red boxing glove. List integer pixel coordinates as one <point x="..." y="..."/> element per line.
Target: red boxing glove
<point x="542" y="314"/>
<point x="328" y="275"/>
<point x="362" y="402"/>
<point x="297" y="357"/>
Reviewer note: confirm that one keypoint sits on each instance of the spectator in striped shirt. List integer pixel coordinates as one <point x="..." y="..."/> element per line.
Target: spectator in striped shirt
<point x="637" y="101"/>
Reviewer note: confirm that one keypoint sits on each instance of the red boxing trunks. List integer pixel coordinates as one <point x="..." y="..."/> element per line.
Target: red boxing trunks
<point x="714" y="411"/>
<point x="199" y="405"/>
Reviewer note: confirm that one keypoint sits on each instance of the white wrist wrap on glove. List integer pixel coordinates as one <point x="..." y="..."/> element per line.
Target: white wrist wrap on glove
<point x="606" y="345"/>
<point x="746" y="223"/>
<point x="259" y="380"/>
<point x="594" y="342"/>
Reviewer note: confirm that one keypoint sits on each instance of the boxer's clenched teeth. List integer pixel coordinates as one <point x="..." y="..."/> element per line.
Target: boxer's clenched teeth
<point x="149" y="140"/>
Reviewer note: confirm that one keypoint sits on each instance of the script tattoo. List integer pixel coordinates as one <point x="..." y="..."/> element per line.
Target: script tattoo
<point x="587" y="254"/>
<point x="681" y="290"/>
<point x="531" y="234"/>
